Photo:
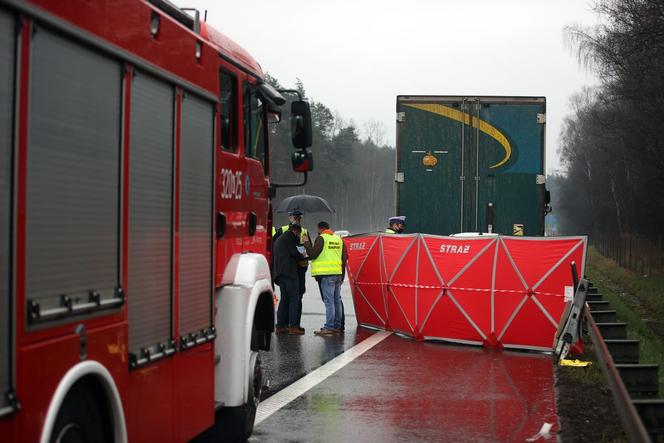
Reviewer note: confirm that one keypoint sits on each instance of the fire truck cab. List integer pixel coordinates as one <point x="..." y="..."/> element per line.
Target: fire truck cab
<point x="135" y="290"/>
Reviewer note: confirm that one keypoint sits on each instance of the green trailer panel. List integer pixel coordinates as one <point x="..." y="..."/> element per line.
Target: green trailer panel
<point x="457" y="155"/>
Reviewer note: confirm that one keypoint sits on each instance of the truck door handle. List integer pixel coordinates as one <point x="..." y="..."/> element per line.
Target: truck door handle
<point x="252" y="221"/>
<point x="221" y="224"/>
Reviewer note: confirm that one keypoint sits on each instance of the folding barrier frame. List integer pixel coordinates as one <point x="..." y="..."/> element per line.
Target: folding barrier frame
<point x="495" y="291"/>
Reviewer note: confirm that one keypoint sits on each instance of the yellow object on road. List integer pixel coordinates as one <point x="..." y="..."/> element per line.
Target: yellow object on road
<point x="574" y="363"/>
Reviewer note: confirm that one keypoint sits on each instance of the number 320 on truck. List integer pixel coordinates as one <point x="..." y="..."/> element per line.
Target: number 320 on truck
<point x="135" y="291"/>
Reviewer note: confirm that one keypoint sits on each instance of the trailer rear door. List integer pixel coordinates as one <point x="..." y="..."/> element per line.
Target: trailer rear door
<point x="455" y="155"/>
<point x="430" y="161"/>
<point x="507" y="164"/>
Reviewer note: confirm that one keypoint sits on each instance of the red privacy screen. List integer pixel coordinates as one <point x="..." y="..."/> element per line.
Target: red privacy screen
<point x="494" y="291"/>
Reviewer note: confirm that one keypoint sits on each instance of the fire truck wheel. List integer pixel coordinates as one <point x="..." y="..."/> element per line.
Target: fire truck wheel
<point x="235" y="424"/>
<point x="247" y="413"/>
<point x="255" y="392"/>
<point x="83" y="416"/>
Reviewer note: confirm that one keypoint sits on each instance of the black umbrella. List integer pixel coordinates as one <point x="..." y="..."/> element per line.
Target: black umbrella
<point x="305" y="203"/>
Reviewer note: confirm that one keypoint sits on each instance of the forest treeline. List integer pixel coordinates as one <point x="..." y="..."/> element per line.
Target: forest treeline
<point x="353" y="168"/>
<point x="612" y="142"/>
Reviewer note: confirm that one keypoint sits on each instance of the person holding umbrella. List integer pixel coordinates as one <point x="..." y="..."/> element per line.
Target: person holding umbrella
<point x="295" y="206"/>
<point x="285" y="273"/>
<point x="295" y="218"/>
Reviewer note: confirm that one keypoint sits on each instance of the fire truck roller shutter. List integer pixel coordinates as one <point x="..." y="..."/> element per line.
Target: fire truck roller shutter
<point x="149" y="284"/>
<point x="73" y="180"/>
<point x="7" y="66"/>
<point x="196" y="205"/>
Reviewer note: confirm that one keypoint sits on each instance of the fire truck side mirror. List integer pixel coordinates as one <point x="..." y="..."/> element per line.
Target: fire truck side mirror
<point x="302" y="160"/>
<point x="300" y="120"/>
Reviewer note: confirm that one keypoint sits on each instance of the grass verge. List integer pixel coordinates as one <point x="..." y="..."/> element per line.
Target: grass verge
<point x="585" y="404"/>
<point x="638" y="301"/>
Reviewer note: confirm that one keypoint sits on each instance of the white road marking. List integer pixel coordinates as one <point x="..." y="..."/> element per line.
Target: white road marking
<point x="290" y="393"/>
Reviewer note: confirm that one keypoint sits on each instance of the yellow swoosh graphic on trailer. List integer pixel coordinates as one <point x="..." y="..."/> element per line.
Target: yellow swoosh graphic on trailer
<point x="468" y="119"/>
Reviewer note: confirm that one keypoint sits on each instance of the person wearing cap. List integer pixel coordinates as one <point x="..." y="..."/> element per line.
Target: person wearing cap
<point x="397" y="225"/>
<point x="285" y="274"/>
<point x="328" y="263"/>
<point x="295" y="218"/>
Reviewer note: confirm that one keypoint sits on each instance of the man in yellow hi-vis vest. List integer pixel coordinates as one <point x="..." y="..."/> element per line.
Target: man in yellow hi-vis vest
<point x="328" y="264"/>
<point x="294" y="218"/>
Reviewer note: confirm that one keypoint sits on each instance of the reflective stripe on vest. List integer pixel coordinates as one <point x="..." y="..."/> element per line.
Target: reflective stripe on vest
<point x="329" y="260"/>
<point x="390" y="231"/>
<point x="302" y="234"/>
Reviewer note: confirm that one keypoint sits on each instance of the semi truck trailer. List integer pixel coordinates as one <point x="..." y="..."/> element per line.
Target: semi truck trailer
<point x="471" y="164"/>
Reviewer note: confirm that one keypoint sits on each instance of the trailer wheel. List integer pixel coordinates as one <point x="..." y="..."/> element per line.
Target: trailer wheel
<point x="83" y="416"/>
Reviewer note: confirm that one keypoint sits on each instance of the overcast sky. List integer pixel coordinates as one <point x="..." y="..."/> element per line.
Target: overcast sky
<point x="357" y="56"/>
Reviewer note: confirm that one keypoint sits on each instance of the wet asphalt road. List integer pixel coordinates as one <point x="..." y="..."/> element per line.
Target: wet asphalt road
<point x="403" y="390"/>
<point x="293" y="356"/>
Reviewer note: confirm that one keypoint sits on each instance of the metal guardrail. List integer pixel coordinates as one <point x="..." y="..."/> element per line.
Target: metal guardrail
<point x="632" y="424"/>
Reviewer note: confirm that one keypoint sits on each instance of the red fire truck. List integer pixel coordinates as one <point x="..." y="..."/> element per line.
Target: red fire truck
<point x="135" y="291"/>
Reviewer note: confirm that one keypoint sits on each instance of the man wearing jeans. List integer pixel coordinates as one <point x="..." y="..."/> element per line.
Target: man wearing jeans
<point x="286" y="257"/>
<point x="328" y="264"/>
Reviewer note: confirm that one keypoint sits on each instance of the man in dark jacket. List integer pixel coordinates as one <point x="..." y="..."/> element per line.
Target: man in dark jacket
<point x="295" y="218"/>
<point x="285" y="257"/>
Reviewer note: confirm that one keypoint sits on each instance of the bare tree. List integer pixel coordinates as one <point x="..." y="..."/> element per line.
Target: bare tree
<point x="374" y="132"/>
<point x="612" y="142"/>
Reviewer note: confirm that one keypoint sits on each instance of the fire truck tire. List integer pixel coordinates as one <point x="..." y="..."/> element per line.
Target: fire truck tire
<point x="84" y="415"/>
<point x="256" y="381"/>
<point x="237" y="422"/>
